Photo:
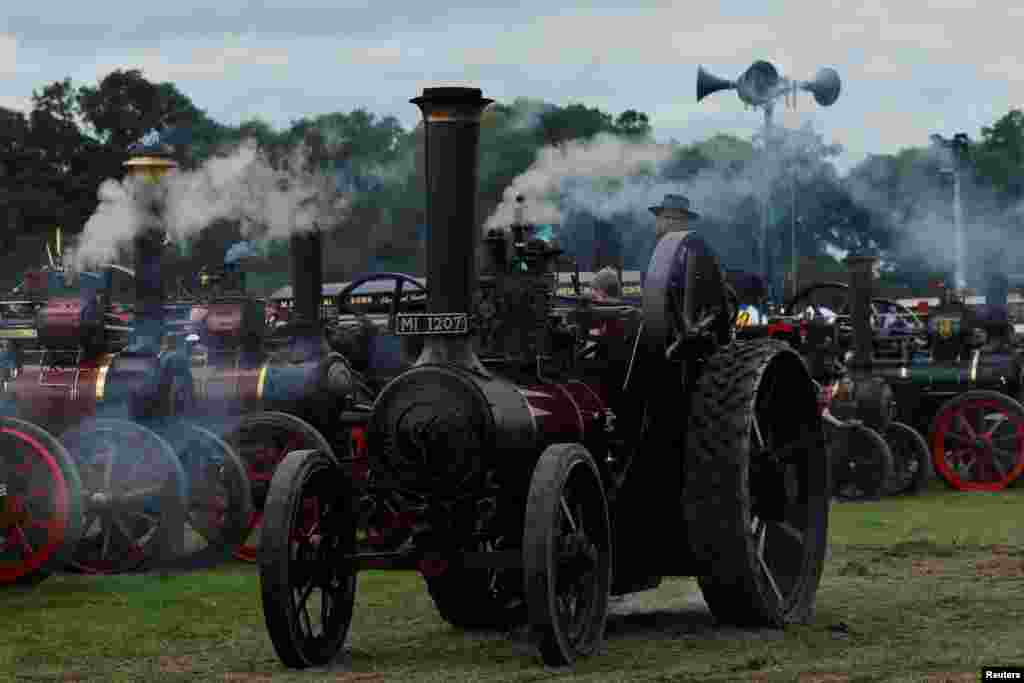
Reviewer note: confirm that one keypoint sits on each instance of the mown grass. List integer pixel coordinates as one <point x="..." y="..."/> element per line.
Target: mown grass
<point x="914" y="589"/>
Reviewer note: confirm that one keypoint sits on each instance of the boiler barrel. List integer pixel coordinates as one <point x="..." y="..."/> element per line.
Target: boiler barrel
<point x="978" y="370"/>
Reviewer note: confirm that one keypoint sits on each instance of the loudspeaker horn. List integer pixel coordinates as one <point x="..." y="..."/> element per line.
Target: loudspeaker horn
<point x="825" y="87"/>
<point x="759" y="84"/>
<point x="707" y="84"/>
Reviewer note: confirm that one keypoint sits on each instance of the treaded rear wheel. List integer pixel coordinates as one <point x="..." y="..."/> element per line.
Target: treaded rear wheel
<point x="756" y="492"/>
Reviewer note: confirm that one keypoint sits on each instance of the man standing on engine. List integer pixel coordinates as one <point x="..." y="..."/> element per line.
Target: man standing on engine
<point x="673" y="215"/>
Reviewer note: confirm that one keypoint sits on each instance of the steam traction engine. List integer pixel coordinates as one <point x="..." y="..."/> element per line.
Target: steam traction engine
<point x="525" y="467"/>
<point x="132" y="472"/>
<point x="265" y="401"/>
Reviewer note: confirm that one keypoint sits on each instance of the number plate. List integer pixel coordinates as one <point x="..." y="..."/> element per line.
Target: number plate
<point x="432" y="323"/>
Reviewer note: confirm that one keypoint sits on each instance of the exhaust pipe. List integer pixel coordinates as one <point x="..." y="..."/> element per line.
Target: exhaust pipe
<point x="451" y="122"/>
<point x="307" y="279"/>
<point x="862" y="283"/>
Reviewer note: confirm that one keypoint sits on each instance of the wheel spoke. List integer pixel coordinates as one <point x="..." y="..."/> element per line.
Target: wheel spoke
<point x="771" y="577"/>
<point x="968" y="427"/>
<point x="22" y="541"/>
<point x="790" y="531"/>
<point x="953" y="436"/>
<point x="304" y="595"/>
<point x="760" y="534"/>
<point x="759" y="437"/>
<point x="107" y="528"/>
<point x="568" y="515"/>
<point x="998" y="463"/>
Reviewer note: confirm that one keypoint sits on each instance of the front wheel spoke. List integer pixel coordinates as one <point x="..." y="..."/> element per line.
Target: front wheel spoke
<point x="304" y="594"/>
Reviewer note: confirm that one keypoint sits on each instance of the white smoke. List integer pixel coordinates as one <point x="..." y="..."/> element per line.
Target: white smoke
<point x="579" y="172"/>
<point x="267" y="201"/>
<point x="617" y="180"/>
<point x="115" y="221"/>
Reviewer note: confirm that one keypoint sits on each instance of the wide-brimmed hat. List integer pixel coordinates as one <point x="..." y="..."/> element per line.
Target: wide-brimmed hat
<point x="674" y="203"/>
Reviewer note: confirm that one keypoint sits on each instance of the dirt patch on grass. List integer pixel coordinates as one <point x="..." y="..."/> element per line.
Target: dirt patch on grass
<point x="823" y="678"/>
<point x="957" y="677"/>
<point x="927" y="567"/>
<point x="177" y="665"/>
<point x="1001" y="566"/>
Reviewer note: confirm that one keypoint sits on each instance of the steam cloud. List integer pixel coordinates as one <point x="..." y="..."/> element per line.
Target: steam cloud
<point x="267" y="201"/>
<point x="615" y="180"/>
<point x="914" y="203"/>
<point x="591" y="172"/>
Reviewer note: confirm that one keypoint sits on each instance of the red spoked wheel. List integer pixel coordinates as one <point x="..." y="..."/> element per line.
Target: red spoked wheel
<point x="977" y="441"/>
<point x="135" y="493"/>
<point x="263" y="440"/>
<point x="40" y="503"/>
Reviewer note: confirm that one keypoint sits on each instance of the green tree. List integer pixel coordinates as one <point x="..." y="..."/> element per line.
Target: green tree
<point x="999" y="156"/>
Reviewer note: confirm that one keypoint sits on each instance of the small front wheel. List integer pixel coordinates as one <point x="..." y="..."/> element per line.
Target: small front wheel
<point x="862" y="464"/>
<point x="911" y="459"/>
<point x="567" y="557"/>
<point x="306" y="557"/>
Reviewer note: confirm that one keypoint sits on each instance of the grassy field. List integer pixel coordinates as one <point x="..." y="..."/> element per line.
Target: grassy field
<point x="915" y="589"/>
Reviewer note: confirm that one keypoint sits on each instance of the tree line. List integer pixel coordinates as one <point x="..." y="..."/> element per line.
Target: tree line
<point x="54" y="157"/>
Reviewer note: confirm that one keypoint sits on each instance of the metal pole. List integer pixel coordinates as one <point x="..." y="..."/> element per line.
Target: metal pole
<point x="768" y="110"/>
<point x="958" y="224"/>
<point x="793" y="259"/>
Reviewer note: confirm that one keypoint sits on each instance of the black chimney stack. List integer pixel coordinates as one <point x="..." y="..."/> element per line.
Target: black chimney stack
<point x="862" y="284"/>
<point x="307" y="279"/>
<point x="451" y="122"/>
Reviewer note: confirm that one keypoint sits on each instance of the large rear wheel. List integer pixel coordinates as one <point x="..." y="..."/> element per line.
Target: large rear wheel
<point x="306" y="559"/>
<point x="756" y="493"/>
<point x="483" y="599"/>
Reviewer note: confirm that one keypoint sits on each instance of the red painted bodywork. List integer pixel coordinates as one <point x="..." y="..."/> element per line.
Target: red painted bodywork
<point x="565" y="412"/>
<point x="53" y="399"/>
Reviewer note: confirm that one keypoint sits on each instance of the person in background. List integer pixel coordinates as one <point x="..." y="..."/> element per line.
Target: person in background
<point x="605" y="286"/>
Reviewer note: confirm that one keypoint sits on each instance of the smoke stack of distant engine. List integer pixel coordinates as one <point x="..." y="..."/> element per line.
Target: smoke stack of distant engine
<point x="307" y="277"/>
<point x="862" y="283"/>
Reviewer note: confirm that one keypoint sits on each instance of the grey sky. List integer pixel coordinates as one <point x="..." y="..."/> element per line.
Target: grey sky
<point x="909" y="68"/>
